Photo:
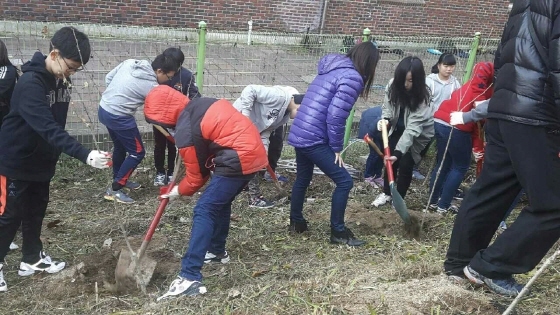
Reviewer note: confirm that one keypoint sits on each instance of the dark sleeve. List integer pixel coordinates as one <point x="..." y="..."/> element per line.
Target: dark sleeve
<point x="193" y="89"/>
<point x="35" y="110"/>
<point x="554" y="53"/>
<point x="7" y="81"/>
<point x="189" y="84"/>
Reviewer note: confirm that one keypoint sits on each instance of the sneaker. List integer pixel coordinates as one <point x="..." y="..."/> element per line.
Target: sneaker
<point x="45" y="263"/>
<point x="13" y="246"/>
<point x="507" y="287"/>
<point x="280" y="178"/>
<point x="182" y="286"/>
<point x="417" y="175"/>
<point x="381" y="200"/>
<point x="159" y="180"/>
<point x="118" y="196"/>
<point x="345" y="237"/>
<point x="431" y="207"/>
<point x="260" y="202"/>
<point x="379" y="182"/>
<point x="460" y="280"/>
<point x="459" y="195"/>
<point x="221" y="258"/>
<point x="169" y="179"/>
<point x="132" y="185"/>
<point x="3" y="285"/>
<point x="369" y="181"/>
<point x="453" y="209"/>
<point x="297" y="226"/>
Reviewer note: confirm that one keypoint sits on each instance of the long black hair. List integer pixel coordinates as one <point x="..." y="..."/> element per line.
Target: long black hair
<point x="444" y="59"/>
<point x="4" y="60"/>
<point x="418" y="94"/>
<point x="365" y="56"/>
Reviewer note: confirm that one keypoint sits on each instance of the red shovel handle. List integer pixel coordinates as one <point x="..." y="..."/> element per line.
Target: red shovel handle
<point x="388" y="164"/>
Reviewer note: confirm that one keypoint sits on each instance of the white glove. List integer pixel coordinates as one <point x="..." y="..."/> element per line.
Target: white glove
<point x="172" y="195"/>
<point x="98" y="159"/>
<point x="380" y="122"/>
<point x="456" y="118"/>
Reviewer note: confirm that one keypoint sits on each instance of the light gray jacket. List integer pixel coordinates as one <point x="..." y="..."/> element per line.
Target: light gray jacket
<point x="419" y="126"/>
<point x="266" y="107"/>
<point x="440" y="91"/>
<point x="127" y="87"/>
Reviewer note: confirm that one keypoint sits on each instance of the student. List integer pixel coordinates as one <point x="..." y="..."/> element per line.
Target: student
<point x="211" y="135"/>
<point x="268" y="107"/>
<point x="441" y="83"/>
<point x="410" y="123"/>
<point x="454" y="139"/>
<point x="31" y="140"/>
<point x="522" y="144"/>
<point x="183" y="81"/>
<point x="8" y="78"/>
<point x="317" y="132"/>
<point x="127" y="86"/>
<point x="373" y="173"/>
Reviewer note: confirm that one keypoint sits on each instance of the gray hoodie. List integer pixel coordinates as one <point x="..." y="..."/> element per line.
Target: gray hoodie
<point x="440" y="91"/>
<point x="127" y="87"/>
<point x="266" y="107"/>
<point x="477" y="113"/>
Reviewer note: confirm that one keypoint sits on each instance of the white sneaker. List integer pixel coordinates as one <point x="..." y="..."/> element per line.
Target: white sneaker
<point x="222" y="258"/>
<point x="13" y="246"/>
<point x="381" y="200"/>
<point x="159" y="180"/>
<point x="3" y="285"/>
<point x="45" y="263"/>
<point x="182" y="286"/>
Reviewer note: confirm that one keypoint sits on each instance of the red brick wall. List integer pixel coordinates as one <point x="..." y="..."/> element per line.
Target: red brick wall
<point x="434" y="17"/>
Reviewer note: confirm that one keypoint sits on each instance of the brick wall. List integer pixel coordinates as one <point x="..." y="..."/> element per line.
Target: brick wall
<point x="433" y="17"/>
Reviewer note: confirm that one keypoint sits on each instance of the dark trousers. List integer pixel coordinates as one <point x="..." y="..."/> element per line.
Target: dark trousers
<point x="160" y="144"/>
<point x="128" y="152"/>
<point x="22" y="203"/>
<point x="402" y="170"/>
<point x="516" y="156"/>
<point x="275" y="147"/>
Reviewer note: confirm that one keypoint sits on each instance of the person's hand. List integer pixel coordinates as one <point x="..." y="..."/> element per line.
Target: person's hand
<point x="478" y="156"/>
<point x="456" y="118"/>
<point x="172" y="195"/>
<point x="338" y="159"/>
<point x="98" y="159"/>
<point x="380" y="122"/>
<point x="391" y="158"/>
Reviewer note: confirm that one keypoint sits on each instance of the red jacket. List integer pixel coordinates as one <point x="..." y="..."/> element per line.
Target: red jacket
<point x="478" y="88"/>
<point x="211" y="135"/>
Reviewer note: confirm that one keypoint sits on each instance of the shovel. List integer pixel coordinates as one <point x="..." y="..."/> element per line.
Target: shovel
<point x="135" y="269"/>
<point x="281" y="192"/>
<point x="411" y="224"/>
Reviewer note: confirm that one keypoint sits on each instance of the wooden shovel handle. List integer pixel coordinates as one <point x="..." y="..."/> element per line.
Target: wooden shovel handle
<point x="388" y="164"/>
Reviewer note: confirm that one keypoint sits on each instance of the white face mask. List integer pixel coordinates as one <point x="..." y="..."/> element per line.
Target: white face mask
<point x="509" y="7"/>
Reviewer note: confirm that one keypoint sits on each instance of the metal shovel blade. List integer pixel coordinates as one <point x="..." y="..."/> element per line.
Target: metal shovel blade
<point x="132" y="273"/>
<point x="399" y="204"/>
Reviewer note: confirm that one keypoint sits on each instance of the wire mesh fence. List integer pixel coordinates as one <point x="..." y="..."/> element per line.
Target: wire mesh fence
<point x="232" y="61"/>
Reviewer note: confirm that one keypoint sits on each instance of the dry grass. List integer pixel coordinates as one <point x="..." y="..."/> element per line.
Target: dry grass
<point x="271" y="272"/>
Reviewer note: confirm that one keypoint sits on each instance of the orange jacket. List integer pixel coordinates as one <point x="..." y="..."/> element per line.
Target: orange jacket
<point x="211" y="135"/>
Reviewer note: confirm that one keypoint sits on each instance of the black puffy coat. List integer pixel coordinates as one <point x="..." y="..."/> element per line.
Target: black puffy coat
<point x="527" y="87"/>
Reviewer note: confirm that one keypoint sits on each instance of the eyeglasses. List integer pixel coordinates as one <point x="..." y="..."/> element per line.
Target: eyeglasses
<point x="72" y="69"/>
<point x="168" y="77"/>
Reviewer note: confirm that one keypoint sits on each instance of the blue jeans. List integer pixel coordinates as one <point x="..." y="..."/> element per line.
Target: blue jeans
<point x="368" y="124"/>
<point x="210" y="226"/>
<point x="322" y="156"/>
<point x="455" y="164"/>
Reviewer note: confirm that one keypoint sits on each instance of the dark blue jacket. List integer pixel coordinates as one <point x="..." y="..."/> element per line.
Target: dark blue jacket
<point x="321" y="118"/>
<point x="184" y="82"/>
<point x="32" y="135"/>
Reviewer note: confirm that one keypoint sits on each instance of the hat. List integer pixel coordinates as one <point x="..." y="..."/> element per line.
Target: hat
<point x="298" y="98"/>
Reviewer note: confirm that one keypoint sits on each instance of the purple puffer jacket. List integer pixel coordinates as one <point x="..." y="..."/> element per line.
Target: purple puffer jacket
<point x="321" y="118"/>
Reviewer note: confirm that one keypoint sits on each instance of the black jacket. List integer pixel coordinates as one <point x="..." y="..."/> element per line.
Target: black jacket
<point x="8" y="77"/>
<point x="32" y="135"/>
<point x="527" y="87"/>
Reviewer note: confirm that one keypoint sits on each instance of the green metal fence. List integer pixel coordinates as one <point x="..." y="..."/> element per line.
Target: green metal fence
<point x="224" y="62"/>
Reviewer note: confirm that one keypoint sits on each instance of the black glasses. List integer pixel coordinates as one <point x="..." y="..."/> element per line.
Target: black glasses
<point x="168" y="77"/>
<point x="71" y="68"/>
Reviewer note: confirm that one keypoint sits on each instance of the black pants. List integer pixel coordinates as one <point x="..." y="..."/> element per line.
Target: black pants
<point x="22" y="203"/>
<point x="160" y="144"/>
<point x="275" y="147"/>
<point x="4" y="110"/>
<point x="402" y="170"/>
<point x="516" y="156"/>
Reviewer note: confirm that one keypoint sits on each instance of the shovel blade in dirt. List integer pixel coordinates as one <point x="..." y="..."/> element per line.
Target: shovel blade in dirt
<point x="133" y="273"/>
<point x="399" y="204"/>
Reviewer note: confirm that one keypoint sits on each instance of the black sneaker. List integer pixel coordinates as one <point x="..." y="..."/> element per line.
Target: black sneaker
<point x="345" y="237"/>
<point x="213" y="258"/>
<point x="297" y="226"/>
<point x="260" y="202"/>
<point x="508" y="286"/>
<point x="459" y="195"/>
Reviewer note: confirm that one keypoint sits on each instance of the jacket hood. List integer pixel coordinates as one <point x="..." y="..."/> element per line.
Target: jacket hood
<point x="163" y="106"/>
<point x="334" y="61"/>
<point x="36" y="64"/>
<point x="483" y="76"/>
<point x="142" y="69"/>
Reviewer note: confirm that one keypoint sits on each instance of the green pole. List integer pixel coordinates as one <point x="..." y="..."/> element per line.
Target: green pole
<point x="201" y="55"/>
<point x="348" y="130"/>
<point x="472" y="57"/>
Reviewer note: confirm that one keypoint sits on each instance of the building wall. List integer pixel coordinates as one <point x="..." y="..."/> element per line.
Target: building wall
<point x="387" y="17"/>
